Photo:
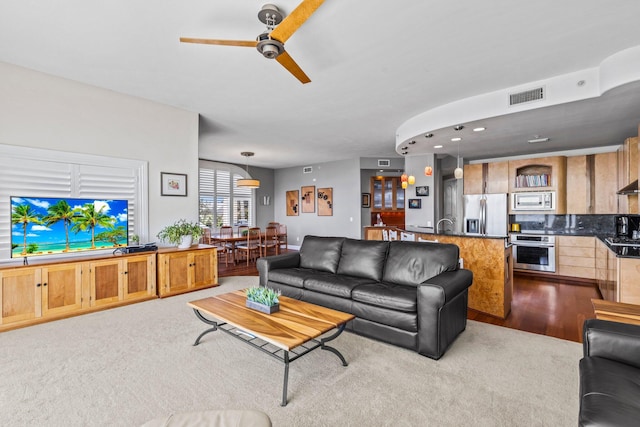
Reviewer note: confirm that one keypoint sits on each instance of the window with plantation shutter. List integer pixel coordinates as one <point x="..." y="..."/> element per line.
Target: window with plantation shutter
<point x="30" y="172"/>
<point x="221" y="201"/>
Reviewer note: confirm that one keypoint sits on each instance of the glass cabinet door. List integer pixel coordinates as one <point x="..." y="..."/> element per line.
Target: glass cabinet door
<point x="388" y="193"/>
<point x="377" y="193"/>
<point x="399" y="195"/>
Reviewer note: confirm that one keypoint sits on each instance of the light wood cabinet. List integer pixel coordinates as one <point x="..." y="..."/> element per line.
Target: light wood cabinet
<point x="34" y="292"/>
<point x="576" y="256"/>
<point x="629" y="280"/>
<point x="592" y="184"/>
<point x="486" y="178"/>
<point x="628" y="171"/>
<point x="186" y="270"/>
<point x="39" y="293"/>
<point x="540" y="174"/>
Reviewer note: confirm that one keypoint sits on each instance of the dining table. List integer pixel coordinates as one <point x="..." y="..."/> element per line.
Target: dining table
<point x="235" y="238"/>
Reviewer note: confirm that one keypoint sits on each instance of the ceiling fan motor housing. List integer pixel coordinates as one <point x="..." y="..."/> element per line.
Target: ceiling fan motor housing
<point x="269" y="47"/>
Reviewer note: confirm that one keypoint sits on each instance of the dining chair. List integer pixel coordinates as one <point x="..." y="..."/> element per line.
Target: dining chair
<point x="270" y="240"/>
<point x="250" y="246"/>
<point x="242" y="229"/>
<point x="282" y="237"/>
<point x="226" y="232"/>
<point x="385" y="234"/>
<point x="407" y="236"/>
<point x="393" y="235"/>
<point x="206" y="236"/>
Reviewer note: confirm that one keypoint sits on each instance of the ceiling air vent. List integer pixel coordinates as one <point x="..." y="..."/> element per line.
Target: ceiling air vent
<point x="384" y="163"/>
<point x="307" y="169"/>
<point x="536" y="94"/>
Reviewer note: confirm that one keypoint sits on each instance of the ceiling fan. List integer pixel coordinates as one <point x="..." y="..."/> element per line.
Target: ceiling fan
<point x="271" y="42"/>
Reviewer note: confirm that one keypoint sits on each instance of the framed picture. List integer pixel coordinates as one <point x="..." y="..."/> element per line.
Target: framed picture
<point x="308" y="195"/>
<point x="366" y="200"/>
<point x="173" y="184"/>
<point x="292" y="203"/>
<point x="415" y="204"/>
<point x="422" y="191"/>
<point x="325" y="201"/>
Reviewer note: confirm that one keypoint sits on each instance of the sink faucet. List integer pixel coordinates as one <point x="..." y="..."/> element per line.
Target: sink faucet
<point x="440" y="222"/>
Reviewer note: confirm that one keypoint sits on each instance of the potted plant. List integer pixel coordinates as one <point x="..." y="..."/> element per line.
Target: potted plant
<point x="262" y="299"/>
<point x="181" y="233"/>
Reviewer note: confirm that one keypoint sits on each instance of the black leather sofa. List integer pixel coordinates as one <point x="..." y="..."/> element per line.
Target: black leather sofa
<point x="610" y="374"/>
<point x="410" y="294"/>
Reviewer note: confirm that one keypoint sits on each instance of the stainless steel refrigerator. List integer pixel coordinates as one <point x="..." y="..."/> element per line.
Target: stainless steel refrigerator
<point x="485" y="214"/>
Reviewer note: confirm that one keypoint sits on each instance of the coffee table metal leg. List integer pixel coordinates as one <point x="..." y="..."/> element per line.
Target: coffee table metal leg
<point x="286" y="379"/>
<point x="331" y="349"/>
<point x="208" y="322"/>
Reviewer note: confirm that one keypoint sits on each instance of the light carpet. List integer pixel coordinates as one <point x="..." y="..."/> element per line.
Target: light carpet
<point x="124" y="366"/>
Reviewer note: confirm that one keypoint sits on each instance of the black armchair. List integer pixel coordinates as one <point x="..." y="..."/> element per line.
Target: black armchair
<point x="610" y="374"/>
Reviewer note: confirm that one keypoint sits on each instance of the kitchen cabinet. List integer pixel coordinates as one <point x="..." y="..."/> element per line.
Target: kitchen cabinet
<point x="186" y="270"/>
<point x="629" y="280"/>
<point x="387" y="194"/>
<point x="628" y="171"/>
<point x="540" y="174"/>
<point x="576" y="256"/>
<point x="592" y="184"/>
<point x="54" y="290"/>
<point x="486" y="178"/>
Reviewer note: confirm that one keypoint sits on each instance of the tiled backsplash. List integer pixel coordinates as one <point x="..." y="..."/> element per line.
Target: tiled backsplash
<point x="581" y="225"/>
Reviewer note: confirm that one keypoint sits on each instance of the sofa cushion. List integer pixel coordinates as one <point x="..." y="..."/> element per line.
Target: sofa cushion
<point x="609" y="392"/>
<point x="321" y="253"/>
<point x="387" y="295"/>
<point x="363" y="258"/>
<point x="333" y="284"/>
<point x="386" y="316"/>
<point x="291" y="276"/>
<point x="412" y="263"/>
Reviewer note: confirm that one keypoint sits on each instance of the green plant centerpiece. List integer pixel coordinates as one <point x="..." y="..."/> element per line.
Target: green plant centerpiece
<point x="181" y="233"/>
<point x="262" y="299"/>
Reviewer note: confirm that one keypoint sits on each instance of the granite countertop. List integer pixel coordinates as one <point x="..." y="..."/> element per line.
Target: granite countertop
<point x="622" y="251"/>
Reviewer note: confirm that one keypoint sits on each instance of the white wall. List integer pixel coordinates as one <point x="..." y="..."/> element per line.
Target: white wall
<point x="43" y="111"/>
<point x="414" y="218"/>
<point x="344" y="177"/>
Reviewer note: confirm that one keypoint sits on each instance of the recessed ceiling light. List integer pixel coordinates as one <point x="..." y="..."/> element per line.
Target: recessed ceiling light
<point x="459" y="127"/>
<point x="412" y="142"/>
<point x="437" y="146"/>
<point x="456" y="139"/>
<point x="428" y="135"/>
<point x="405" y="148"/>
<point x="480" y="129"/>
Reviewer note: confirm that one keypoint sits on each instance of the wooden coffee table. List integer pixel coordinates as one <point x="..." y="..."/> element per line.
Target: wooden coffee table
<point x="285" y="335"/>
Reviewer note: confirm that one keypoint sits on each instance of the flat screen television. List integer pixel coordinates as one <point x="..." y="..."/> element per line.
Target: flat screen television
<point x="60" y="225"/>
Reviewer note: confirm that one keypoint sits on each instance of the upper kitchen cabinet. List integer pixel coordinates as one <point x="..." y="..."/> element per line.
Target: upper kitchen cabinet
<point x="627" y="173"/>
<point x="540" y="174"/>
<point x="592" y="183"/>
<point x="486" y="178"/>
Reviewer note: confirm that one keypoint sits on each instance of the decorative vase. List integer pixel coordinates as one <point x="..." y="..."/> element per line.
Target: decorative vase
<point x="268" y="309"/>
<point x="185" y="242"/>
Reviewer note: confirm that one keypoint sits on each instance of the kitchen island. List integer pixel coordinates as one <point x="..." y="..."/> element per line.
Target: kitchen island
<point x="490" y="260"/>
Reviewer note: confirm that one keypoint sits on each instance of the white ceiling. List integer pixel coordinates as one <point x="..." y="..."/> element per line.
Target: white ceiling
<point x="373" y="65"/>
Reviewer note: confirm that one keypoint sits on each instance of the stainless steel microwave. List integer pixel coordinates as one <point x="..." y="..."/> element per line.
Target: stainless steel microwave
<point x="533" y="201"/>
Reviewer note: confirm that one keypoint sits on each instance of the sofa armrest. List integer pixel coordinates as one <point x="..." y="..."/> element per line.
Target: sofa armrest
<point x="612" y="340"/>
<point x="265" y="264"/>
<point x="451" y="282"/>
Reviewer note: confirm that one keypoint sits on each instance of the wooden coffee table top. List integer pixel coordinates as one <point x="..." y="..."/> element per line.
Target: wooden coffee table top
<point x="296" y="323"/>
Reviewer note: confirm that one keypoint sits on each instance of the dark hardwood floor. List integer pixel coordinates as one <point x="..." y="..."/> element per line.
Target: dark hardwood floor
<point x="555" y="308"/>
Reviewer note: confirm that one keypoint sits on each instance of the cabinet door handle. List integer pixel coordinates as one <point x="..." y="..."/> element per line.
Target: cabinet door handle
<point x="38" y="285"/>
<point x="44" y="284"/>
<point x="126" y="272"/>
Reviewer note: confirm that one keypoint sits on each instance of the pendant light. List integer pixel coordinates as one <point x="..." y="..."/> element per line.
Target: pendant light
<point x="458" y="172"/>
<point x="247" y="182"/>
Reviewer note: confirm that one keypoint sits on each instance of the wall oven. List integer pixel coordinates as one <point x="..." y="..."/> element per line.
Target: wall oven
<point x="534" y="252"/>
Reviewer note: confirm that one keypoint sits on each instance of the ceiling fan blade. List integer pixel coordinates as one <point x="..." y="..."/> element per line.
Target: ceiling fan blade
<point x="241" y="43"/>
<point x="295" y="19"/>
<point x="287" y="62"/>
